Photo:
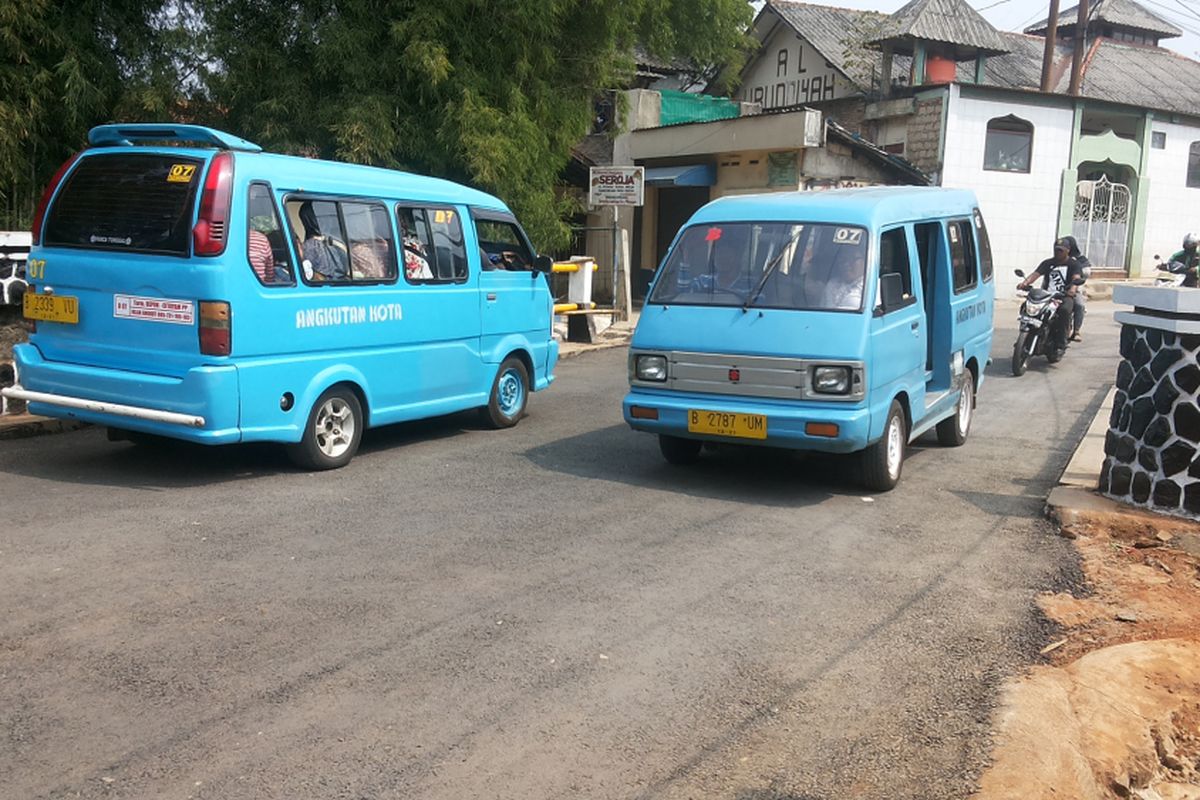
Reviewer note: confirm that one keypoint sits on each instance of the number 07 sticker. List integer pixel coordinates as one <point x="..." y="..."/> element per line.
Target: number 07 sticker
<point x="181" y="173"/>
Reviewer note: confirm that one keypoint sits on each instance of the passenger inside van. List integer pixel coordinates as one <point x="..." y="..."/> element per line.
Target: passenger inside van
<point x="844" y="287"/>
<point x="370" y="237"/>
<point x="324" y="256"/>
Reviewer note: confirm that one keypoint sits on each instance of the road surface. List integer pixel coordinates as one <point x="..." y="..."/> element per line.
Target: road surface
<point x="546" y="612"/>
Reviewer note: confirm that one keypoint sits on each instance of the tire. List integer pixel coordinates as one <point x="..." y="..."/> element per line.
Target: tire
<point x="679" y="451"/>
<point x="332" y="433"/>
<point x="883" y="461"/>
<point x="952" y="431"/>
<point x="1053" y="354"/>
<point x="510" y="394"/>
<point x="1020" y="357"/>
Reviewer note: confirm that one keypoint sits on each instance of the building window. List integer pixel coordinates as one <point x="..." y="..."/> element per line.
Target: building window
<point x="1193" y="173"/>
<point x="1009" y="145"/>
<point x="1158" y="140"/>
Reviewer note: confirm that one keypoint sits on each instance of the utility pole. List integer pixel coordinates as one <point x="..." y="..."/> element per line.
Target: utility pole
<point x="1051" y="41"/>
<point x="1080" y="44"/>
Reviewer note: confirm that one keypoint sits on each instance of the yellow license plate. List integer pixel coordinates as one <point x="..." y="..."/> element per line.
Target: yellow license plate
<point x="724" y="423"/>
<point x="52" y="308"/>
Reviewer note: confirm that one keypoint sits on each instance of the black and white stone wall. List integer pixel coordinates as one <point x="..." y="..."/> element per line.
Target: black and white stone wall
<point x="1152" y="449"/>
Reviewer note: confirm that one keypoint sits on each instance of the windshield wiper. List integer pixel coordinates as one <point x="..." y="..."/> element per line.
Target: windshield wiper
<point x="770" y="268"/>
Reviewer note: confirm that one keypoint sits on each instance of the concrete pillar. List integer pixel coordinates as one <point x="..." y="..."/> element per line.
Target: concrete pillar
<point x="1152" y="448"/>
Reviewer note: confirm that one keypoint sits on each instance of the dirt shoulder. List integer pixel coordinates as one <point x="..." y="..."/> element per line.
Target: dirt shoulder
<point x="12" y="331"/>
<point x="1115" y="711"/>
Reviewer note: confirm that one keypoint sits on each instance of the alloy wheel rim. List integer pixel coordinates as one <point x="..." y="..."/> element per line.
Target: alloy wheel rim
<point x="510" y="393"/>
<point x="334" y="427"/>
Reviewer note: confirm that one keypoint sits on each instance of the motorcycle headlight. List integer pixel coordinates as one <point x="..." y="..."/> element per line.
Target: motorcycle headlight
<point x="831" y="380"/>
<point x="1034" y="309"/>
<point x="651" y="368"/>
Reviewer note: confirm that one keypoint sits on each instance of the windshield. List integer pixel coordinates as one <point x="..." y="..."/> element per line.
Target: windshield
<point x="811" y="266"/>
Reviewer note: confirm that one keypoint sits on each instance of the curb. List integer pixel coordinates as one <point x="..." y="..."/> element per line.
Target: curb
<point x="577" y="349"/>
<point x="24" y="426"/>
<point x="1075" y="492"/>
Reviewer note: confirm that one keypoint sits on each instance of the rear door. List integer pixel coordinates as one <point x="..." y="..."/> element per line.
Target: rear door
<point x="118" y="240"/>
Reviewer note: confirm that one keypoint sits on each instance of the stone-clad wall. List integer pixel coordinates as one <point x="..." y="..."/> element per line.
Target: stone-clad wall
<point x="1152" y="450"/>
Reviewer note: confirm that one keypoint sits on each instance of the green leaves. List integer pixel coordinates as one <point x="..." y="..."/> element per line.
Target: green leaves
<point x="493" y="93"/>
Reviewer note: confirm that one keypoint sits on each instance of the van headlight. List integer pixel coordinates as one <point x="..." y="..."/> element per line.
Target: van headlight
<point x="651" y="368"/>
<point x="831" y="380"/>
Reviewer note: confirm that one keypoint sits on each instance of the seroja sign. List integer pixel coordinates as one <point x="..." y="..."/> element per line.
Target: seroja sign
<point x="616" y="186"/>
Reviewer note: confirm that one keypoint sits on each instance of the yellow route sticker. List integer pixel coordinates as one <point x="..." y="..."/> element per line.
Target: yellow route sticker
<point x="181" y="173"/>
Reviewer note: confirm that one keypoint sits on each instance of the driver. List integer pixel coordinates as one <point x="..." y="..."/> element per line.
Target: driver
<point x="1058" y="273"/>
<point x="1187" y="260"/>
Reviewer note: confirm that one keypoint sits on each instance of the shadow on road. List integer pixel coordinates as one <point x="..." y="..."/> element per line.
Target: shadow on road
<point x="737" y="473"/>
<point x="162" y="463"/>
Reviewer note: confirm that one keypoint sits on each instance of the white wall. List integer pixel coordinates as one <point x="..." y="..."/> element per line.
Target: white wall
<point x="1021" y="209"/>
<point x="788" y="71"/>
<point x="1172" y="208"/>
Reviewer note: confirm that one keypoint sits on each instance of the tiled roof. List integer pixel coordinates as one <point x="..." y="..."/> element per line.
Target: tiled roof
<point x="1124" y="13"/>
<point x="946" y="21"/>
<point x="1136" y="75"/>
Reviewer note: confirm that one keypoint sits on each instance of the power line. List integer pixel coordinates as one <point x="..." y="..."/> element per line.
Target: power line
<point x="1185" y="7"/>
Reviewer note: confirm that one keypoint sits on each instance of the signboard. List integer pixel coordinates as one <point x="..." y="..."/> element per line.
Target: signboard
<point x="154" y="309"/>
<point x="616" y="186"/>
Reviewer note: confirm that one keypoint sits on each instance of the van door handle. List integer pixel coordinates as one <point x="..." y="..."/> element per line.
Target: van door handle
<point x="491" y="297"/>
<point x="916" y="326"/>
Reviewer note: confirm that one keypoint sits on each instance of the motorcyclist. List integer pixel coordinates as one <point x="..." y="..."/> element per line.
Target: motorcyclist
<point x="1187" y="260"/>
<point x="1085" y="267"/>
<point x="1057" y="274"/>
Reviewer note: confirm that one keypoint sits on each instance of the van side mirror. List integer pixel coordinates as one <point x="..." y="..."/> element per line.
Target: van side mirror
<point x="544" y="264"/>
<point x="891" y="291"/>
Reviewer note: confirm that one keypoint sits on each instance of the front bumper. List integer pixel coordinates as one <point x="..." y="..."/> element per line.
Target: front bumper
<point x="786" y="420"/>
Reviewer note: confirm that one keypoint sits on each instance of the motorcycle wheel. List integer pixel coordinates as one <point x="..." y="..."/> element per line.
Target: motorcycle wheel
<point x="1020" y="356"/>
<point x="1053" y="354"/>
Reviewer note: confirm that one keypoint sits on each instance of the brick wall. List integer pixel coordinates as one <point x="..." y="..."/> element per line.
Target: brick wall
<point x="925" y="136"/>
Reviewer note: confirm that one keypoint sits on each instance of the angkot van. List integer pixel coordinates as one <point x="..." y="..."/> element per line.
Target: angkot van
<point x="848" y="321"/>
<point x="183" y="283"/>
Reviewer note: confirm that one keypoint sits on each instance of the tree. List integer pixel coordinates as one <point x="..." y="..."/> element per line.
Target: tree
<point x="68" y="66"/>
<point x="489" y="92"/>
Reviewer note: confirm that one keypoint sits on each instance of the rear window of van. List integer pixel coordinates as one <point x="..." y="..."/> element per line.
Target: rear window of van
<point x="134" y="203"/>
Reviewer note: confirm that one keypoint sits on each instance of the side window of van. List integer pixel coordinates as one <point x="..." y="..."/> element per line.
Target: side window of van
<point x="369" y="232"/>
<point x="501" y="246"/>
<point x="320" y="240"/>
<point x="962" y="254"/>
<point x="434" y="250"/>
<point x="893" y="258"/>
<point x="985" y="247"/>
<point x="266" y="245"/>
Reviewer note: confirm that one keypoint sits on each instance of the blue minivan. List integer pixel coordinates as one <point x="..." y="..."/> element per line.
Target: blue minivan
<point x="183" y="283"/>
<point x="842" y="321"/>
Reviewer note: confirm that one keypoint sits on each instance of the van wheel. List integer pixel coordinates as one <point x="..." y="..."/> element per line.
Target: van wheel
<point x="1020" y="357"/>
<point x="679" y="451"/>
<point x="952" y="431"/>
<point x="882" y="461"/>
<point x="333" y="431"/>
<point x="510" y="394"/>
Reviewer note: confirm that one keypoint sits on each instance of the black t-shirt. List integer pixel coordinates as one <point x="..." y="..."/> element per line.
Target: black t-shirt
<point x="1058" y="277"/>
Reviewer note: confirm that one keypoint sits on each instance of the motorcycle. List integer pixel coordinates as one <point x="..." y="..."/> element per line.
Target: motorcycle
<point x="1036" y="336"/>
<point x="1168" y="276"/>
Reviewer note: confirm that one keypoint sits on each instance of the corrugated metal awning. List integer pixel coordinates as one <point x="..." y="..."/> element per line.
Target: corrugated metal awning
<point x="686" y="175"/>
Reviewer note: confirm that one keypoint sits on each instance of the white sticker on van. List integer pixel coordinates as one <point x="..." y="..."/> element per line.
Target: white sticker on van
<point x="154" y="309"/>
<point x="847" y="236"/>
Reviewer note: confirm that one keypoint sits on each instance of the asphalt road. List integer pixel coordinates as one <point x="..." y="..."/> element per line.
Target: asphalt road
<point x="546" y="612"/>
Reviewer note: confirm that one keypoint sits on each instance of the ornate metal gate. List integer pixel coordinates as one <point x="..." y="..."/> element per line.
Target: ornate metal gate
<point x="1102" y="221"/>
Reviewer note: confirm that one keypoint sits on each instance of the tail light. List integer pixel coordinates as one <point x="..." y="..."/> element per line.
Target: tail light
<point x="216" y="334"/>
<point x="40" y="215"/>
<point x="212" y="226"/>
